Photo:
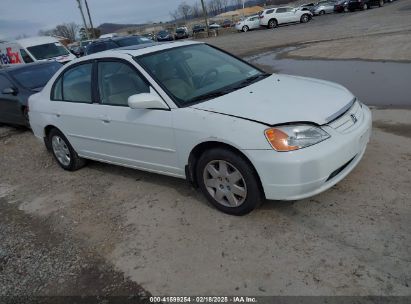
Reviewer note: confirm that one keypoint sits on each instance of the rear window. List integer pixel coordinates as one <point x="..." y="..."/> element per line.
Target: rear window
<point x="269" y="11"/>
<point x="100" y="47"/>
<point x="48" y="50"/>
<point x="132" y="41"/>
<point x="35" y="76"/>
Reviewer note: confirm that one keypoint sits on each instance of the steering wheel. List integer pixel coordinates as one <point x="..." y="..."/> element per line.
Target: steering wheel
<point x="209" y="76"/>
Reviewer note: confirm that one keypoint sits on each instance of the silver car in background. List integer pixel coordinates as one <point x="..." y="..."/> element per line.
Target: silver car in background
<point x="323" y="7"/>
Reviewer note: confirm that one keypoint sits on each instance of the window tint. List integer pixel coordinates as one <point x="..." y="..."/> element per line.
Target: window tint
<point x="77" y="84"/>
<point x="36" y="76"/>
<point x="48" y="50"/>
<point x="4" y="83"/>
<point x="117" y="81"/>
<point x="269" y="11"/>
<point x="26" y="57"/>
<point x="281" y="10"/>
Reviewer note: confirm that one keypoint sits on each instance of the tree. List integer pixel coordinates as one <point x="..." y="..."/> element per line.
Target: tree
<point x="83" y="36"/>
<point x="237" y="3"/>
<point x="175" y="15"/>
<point x="184" y="9"/>
<point x="66" y="30"/>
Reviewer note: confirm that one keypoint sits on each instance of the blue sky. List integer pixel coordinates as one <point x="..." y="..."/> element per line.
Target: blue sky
<point x="19" y="17"/>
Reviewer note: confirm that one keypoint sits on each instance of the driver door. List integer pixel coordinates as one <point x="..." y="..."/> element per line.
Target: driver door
<point x="140" y="138"/>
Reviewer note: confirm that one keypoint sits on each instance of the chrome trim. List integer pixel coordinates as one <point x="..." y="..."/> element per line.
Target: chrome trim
<point x="341" y="111"/>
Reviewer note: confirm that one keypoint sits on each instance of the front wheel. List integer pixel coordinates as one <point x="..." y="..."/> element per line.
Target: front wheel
<point x="63" y="152"/>
<point x="321" y="13"/>
<point x="228" y="181"/>
<point x="381" y="3"/>
<point x="245" y="28"/>
<point x="305" y="18"/>
<point x="365" y="6"/>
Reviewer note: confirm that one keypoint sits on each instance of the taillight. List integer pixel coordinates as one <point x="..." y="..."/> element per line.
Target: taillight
<point x="261" y="16"/>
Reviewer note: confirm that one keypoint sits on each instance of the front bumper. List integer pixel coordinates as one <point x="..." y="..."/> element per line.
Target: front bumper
<point x="303" y="173"/>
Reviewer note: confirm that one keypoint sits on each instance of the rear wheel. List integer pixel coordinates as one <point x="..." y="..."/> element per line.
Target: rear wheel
<point x="381" y="3"/>
<point x="245" y="28"/>
<point x="63" y="152"/>
<point x="272" y="23"/>
<point x="321" y="13"/>
<point x="304" y="18"/>
<point x="364" y="6"/>
<point x="228" y="181"/>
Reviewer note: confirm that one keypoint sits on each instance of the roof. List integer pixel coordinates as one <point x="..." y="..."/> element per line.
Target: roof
<point x="27" y="42"/>
<point x="137" y="50"/>
<point x="14" y="67"/>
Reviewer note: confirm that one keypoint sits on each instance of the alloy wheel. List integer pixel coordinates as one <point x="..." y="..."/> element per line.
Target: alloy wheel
<point x="225" y="183"/>
<point x="61" y="151"/>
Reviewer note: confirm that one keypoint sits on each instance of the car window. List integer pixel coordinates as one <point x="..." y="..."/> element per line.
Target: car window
<point x="76" y="86"/>
<point x="281" y="10"/>
<point x="48" y="50"/>
<point x="192" y="72"/>
<point x="269" y="11"/>
<point x="100" y="47"/>
<point x="4" y="83"/>
<point x="26" y="57"/>
<point x="117" y="81"/>
<point x="35" y="76"/>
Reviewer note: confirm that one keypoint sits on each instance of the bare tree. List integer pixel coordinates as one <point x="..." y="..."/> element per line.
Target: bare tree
<point x="237" y="3"/>
<point x="175" y="15"/>
<point x="196" y="10"/>
<point x="66" y="30"/>
<point x="184" y="9"/>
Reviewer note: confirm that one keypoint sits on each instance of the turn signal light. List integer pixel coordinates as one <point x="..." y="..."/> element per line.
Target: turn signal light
<point x="279" y="140"/>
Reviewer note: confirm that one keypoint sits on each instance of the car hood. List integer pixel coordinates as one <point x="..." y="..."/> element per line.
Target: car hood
<point x="282" y="99"/>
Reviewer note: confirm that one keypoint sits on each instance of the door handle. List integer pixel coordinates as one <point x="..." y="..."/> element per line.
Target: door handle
<point x="105" y="118"/>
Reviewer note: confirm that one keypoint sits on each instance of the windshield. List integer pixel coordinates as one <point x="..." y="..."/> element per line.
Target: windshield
<point x="48" y="50"/>
<point x="35" y="76"/>
<point x="195" y="73"/>
<point x="132" y="41"/>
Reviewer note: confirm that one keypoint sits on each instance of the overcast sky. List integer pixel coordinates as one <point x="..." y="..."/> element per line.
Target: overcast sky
<point x="19" y="17"/>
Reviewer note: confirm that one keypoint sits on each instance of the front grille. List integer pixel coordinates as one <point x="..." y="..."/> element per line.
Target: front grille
<point x="349" y="120"/>
<point x="339" y="170"/>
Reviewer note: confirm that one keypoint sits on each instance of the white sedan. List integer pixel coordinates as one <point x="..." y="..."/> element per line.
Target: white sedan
<point x="192" y="111"/>
<point x="249" y="23"/>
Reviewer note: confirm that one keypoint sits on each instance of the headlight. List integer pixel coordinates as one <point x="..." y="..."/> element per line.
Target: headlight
<point x="294" y="137"/>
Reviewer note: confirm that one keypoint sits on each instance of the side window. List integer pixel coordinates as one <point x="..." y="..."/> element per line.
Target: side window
<point x="57" y="91"/>
<point x="281" y="10"/>
<point x="26" y="57"/>
<point x="4" y="83"/>
<point x="76" y="85"/>
<point x="269" y="11"/>
<point x="117" y="81"/>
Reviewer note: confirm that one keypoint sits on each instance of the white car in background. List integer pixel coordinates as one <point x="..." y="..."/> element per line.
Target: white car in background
<point x="189" y="110"/>
<point x="248" y="23"/>
<point x="272" y="17"/>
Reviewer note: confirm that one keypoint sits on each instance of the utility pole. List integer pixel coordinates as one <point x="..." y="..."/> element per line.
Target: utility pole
<point x="93" y="34"/>
<point x="243" y="8"/>
<point x="84" y="19"/>
<point x="205" y="16"/>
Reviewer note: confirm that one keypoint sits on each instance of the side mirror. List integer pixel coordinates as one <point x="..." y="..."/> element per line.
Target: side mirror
<point x="146" y="101"/>
<point x="10" y="91"/>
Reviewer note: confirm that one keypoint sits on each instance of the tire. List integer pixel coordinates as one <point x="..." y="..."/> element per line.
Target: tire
<point x="213" y="172"/>
<point x="245" y="28"/>
<point x="304" y="18"/>
<point x="321" y="13"/>
<point x="272" y="23"/>
<point x="381" y="3"/>
<point x="63" y="152"/>
<point x="365" y="7"/>
<point x="26" y="117"/>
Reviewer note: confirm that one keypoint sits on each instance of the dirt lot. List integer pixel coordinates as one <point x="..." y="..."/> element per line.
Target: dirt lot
<point x="110" y="230"/>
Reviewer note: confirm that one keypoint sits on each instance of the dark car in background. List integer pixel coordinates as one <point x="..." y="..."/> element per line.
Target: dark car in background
<point x="164" y="35"/>
<point x="17" y="84"/>
<point x="197" y="28"/>
<point x="115" y="42"/>
<point x="353" y="5"/>
<point x="227" y="23"/>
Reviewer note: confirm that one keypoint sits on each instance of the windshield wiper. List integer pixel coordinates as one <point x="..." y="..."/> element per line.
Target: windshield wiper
<point x="211" y="95"/>
<point x="251" y="79"/>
